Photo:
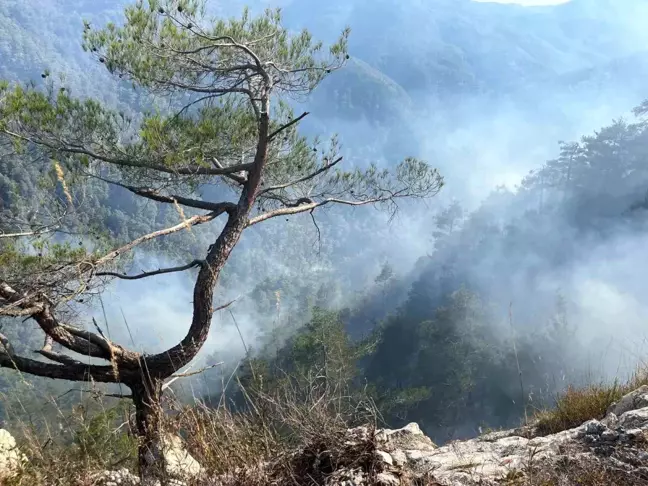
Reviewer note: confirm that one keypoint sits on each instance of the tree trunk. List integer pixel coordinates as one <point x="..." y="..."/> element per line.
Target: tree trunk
<point x="147" y="396"/>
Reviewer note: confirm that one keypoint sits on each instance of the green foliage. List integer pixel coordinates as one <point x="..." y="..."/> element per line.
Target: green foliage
<point x="101" y="437"/>
<point x="194" y="51"/>
<point x="321" y="350"/>
<point x="435" y="360"/>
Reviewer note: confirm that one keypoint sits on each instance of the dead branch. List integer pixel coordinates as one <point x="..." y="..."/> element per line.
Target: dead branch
<point x="288" y="125"/>
<point x="67" y="336"/>
<point x="187" y="223"/>
<point x="59" y="357"/>
<point x="186" y="375"/>
<point x="312" y="175"/>
<point x="69" y="371"/>
<point x="159" y="271"/>
<point x="154" y="195"/>
<point x="307" y="204"/>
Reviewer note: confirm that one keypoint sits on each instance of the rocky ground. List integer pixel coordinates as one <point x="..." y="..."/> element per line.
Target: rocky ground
<point x="613" y="450"/>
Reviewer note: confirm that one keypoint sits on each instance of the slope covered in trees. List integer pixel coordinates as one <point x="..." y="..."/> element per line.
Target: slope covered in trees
<point x="437" y="343"/>
<point x="533" y="291"/>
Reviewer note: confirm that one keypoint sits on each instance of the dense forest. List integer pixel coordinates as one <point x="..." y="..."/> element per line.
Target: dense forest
<point x="462" y="313"/>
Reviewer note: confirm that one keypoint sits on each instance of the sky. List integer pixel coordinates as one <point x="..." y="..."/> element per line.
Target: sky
<point x="527" y="3"/>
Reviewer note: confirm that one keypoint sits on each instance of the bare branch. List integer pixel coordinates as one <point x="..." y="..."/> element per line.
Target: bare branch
<point x="50" y="325"/>
<point x="160" y="271"/>
<point x="97" y="393"/>
<point x="310" y="176"/>
<point x="225" y="306"/>
<point x="205" y="89"/>
<point x="197" y="372"/>
<point x="8" y="348"/>
<point x="187" y="223"/>
<point x="25" y="233"/>
<point x="92" y="338"/>
<point x="307" y="204"/>
<point x="82" y="372"/>
<point x="154" y="195"/>
<point x="59" y="358"/>
<point x="70" y="371"/>
<point x="319" y="233"/>
<point x="185" y="375"/>
<point x="40" y="229"/>
<point x="287" y="125"/>
<point x="14" y="310"/>
<point x="235" y="177"/>
<point x="194" y="102"/>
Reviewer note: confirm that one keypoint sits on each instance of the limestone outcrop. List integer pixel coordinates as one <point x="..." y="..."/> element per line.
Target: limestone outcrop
<point x="11" y="459"/>
<point x="618" y="443"/>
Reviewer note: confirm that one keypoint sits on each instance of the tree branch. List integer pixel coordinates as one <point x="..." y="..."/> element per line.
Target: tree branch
<point x="15" y="311"/>
<point x="160" y="271"/>
<point x="190" y="170"/>
<point x="70" y="371"/>
<point x="50" y="325"/>
<point x="319" y="233"/>
<point x="235" y="177"/>
<point x="287" y="125"/>
<point x="48" y="353"/>
<point x="58" y="357"/>
<point x="319" y="171"/>
<point x="153" y="195"/>
<point x="187" y="374"/>
<point x="92" y="338"/>
<point x="306" y="204"/>
<point x="187" y="223"/>
<point x="25" y="233"/>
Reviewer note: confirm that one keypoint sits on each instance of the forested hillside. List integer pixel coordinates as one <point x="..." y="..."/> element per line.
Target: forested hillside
<point x="463" y="312"/>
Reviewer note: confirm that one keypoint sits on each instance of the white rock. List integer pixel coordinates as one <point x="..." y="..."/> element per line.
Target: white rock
<point x="385" y="457"/>
<point x="634" y="419"/>
<point x="11" y="459"/>
<point x="179" y="462"/>
<point x="485" y="460"/>
<point x="122" y="477"/>
<point x="409" y="437"/>
<point x="386" y="479"/>
<point x="632" y="401"/>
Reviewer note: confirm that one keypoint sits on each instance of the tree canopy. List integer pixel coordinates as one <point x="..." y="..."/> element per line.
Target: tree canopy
<point x="228" y="84"/>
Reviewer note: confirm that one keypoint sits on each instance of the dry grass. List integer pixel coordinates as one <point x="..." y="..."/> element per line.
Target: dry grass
<point x="295" y="435"/>
<point x="576" y="469"/>
<point x="71" y="450"/>
<point x="582" y="474"/>
<point x="578" y="405"/>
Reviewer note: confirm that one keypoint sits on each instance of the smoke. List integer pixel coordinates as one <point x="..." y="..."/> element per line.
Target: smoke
<point x="480" y="138"/>
<point x="608" y="289"/>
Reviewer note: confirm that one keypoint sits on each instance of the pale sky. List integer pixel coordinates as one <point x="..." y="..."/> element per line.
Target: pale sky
<point x="527" y="3"/>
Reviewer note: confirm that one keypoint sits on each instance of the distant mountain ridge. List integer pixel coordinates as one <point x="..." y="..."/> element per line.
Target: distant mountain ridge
<point x="443" y="47"/>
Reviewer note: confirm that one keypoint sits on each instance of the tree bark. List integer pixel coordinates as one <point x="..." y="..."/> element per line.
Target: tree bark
<point x="147" y="395"/>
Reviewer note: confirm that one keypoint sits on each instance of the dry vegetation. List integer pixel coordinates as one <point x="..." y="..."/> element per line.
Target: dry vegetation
<point x="293" y="436"/>
<point x="578" y="405"/>
<point x="296" y="435"/>
<point x="577" y="473"/>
